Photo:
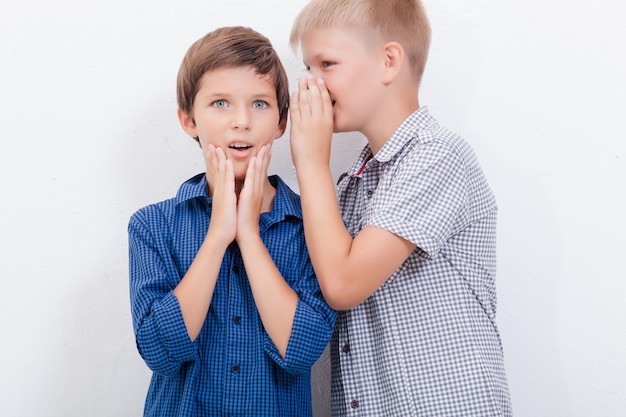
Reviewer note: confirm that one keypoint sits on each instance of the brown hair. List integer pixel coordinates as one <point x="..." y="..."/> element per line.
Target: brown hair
<point x="235" y="46"/>
<point x="403" y="21"/>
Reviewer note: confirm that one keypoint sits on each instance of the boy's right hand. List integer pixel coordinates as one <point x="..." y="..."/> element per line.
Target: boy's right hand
<point x="221" y="180"/>
<point x="311" y="115"/>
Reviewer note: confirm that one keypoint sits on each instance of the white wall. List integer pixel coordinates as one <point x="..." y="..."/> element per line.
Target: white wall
<point x="88" y="135"/>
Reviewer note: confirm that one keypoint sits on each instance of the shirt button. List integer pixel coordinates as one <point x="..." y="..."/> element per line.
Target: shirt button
<point x="237" y="320"/>
<point x="235" y="368"/>
<point x="236" y="269"/>
<point x="369" y="193"/>
<point x="345" y="348"/>
<point x="354" y="404"/>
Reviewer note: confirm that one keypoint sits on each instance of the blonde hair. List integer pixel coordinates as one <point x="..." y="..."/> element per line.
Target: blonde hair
<point x="402" y="21"/>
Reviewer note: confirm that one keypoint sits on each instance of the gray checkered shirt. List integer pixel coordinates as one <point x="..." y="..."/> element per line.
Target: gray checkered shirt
<point x="425" y="343"/>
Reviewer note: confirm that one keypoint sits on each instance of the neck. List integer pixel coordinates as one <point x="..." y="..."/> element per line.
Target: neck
<point x="399" y="101"/>
<point x="238" y="188"/>
<point x="381" y="129"/>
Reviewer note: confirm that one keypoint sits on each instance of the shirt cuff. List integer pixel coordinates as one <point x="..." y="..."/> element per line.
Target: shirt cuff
<point x="310" y="334"/>
<point x="172" y="329"/>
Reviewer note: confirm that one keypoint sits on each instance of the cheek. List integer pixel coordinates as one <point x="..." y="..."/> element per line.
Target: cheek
<point x="204" y="142"/>
<point x="206" y="134"/>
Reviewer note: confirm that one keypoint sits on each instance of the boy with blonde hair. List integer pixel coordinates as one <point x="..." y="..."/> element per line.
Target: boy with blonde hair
<point x="406" y="248"/>
<point x="226" y="308"/>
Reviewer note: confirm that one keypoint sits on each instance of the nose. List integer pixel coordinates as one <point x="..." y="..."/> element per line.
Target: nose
<point x="240" y="118"/>
<point x="315" y="73"/>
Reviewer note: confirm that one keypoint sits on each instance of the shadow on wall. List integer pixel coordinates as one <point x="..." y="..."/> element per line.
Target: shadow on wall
<point x="320" y="385"/>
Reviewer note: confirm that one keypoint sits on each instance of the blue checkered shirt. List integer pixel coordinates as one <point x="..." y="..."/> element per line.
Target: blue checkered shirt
<point x="425" y="343"/>
<point x="233" y="368"/>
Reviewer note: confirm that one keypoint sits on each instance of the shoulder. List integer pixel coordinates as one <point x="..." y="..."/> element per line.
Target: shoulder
<point x="435" y="147"/>
<point x="152" y="215"/>
<point x="156" y="213"/>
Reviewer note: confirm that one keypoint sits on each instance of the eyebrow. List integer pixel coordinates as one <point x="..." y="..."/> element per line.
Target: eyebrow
<point x="222" y="95"/>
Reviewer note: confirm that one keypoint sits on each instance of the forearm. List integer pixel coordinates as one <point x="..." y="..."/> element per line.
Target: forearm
<point x="276" y="301"/>
<point x="348" y="270"/>
<point x="328" y="241"/>
<point x="195" y="290"/>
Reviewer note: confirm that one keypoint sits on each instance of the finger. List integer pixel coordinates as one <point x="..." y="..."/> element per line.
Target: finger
<point x="229" y="173"/>
<point x="209" y="154"/>
<point x="303" y="100"/>
<point x="265" y="161"/>
<point x="221" y="159"/>
<point x="315" y="97"/>
<point x="326" y="100"/>
<point x="294" y="109"/>
<point x="248" y="183"/>
<point x="261" y="168"/>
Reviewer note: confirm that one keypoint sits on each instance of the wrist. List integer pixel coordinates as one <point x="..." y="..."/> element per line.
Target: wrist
<point x="311" y="166"/>
<point x="249" y="236"/>
<point x="217" y="240"/>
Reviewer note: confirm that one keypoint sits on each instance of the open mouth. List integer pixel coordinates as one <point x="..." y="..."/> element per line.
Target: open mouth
<point x="239" y="147"/>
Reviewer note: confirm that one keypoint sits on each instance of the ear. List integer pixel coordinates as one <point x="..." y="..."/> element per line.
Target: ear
<point x="187" y="123"/>
<point x="394" y="55"/>
<point x="280" y="130"/>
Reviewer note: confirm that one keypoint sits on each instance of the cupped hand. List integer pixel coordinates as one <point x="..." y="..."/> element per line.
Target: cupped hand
<point x="311" y="115"/>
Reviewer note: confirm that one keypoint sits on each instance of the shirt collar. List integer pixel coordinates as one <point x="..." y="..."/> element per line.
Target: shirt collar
<point x="409" y="129"/>
<point x="194" y="187"/>
<point x="286" y="201"/>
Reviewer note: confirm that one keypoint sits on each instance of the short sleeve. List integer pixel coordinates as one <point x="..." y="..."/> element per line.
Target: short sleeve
<point x="424" y="198"/>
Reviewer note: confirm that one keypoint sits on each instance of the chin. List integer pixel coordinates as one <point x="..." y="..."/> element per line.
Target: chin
<point x="240" y="175"/>
<point x="339" y="127"/>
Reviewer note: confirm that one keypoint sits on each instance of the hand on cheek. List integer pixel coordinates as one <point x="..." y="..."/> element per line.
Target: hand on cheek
<point x="221" y="180"/>
<point x="250" y="202"/>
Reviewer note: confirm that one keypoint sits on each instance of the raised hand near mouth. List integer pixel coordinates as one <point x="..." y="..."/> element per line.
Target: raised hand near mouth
<point x="311" y="115"/>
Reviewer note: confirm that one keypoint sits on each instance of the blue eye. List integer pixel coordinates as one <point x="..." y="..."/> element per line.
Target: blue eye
<point x="260" y="104"/>
<point x="219" y="103"/>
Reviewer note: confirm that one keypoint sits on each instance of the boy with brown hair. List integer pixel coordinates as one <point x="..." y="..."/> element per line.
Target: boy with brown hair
<point x="406" y="248"/>
<point x="227" y="311"/>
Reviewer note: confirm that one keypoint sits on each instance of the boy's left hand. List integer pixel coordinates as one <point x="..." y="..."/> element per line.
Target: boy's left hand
<point x="311" y="115"/>
<point x="250" y="203"/>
